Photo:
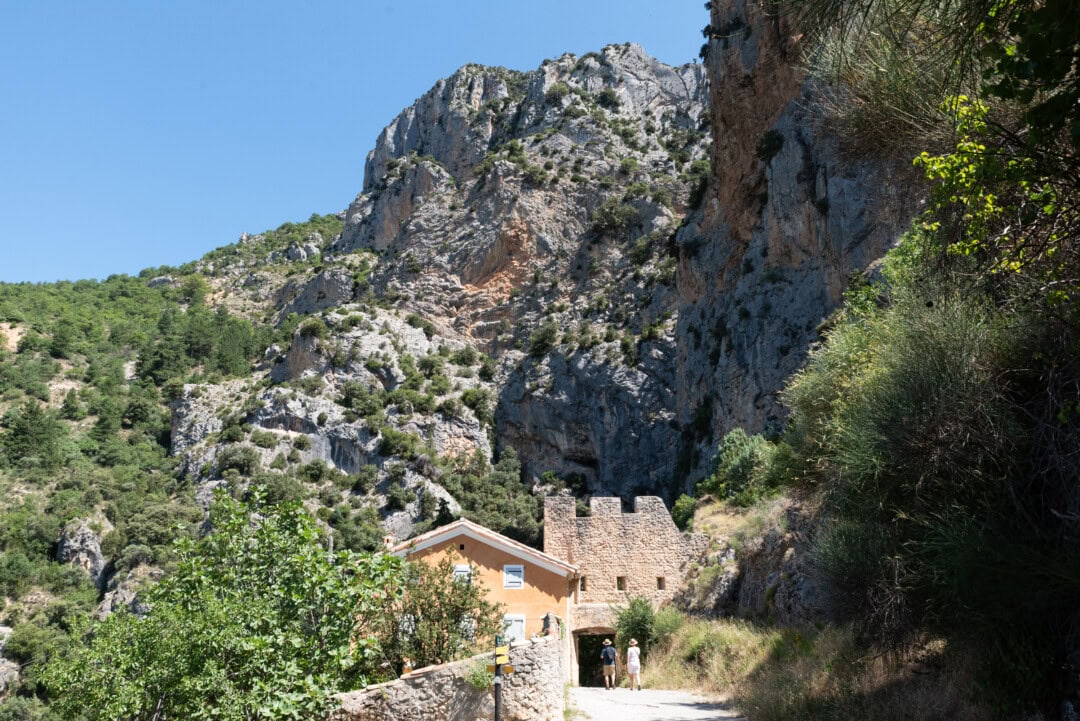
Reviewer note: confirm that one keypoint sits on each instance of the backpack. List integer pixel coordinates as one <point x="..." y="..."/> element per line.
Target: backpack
<point x="607" y="655"/>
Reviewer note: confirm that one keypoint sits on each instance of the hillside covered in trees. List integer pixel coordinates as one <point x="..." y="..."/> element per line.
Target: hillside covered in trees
<point x="836" y="262"/>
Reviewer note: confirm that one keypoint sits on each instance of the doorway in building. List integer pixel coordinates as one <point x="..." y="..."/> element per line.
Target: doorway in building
<point x="590" y="670"/>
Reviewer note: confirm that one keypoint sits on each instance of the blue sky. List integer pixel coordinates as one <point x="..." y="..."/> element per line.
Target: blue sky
<point x="144" y="133"/>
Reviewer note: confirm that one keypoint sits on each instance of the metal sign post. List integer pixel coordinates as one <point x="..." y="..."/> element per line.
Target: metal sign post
<point x="498" y="692"/>
<point x="501" y="666"/>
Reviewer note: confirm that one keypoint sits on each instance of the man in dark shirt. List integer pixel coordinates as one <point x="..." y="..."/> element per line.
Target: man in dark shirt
<point x="607" y="657"/>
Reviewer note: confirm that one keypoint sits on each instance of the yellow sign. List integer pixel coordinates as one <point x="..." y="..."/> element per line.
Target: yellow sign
<point x="502" y="659"/>
<point x="505" y="668"/>
<point x="502" y="649"/>
<point x="508" y="669"/>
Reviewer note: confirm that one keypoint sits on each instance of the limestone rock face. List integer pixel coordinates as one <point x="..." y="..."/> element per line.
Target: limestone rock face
<point x="305" y="416"/>
<point x="9" y="670"/>
<point x="788" y="220"/>
<point x="482" y="199"/>
<point x="558" y="221"/>
<point x="608" y="423"/>
<point x="375" y="220"/>
<point x="765" y="575"/>
<point x="80" y="546"/>
<point x="328" y="289"/>
<point x="124" y="593"/>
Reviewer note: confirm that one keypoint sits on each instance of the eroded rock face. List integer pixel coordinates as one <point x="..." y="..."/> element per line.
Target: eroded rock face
<point x="787" y="222"/>
<point x="764" y="575"/>
<point x="552" y="220"/>
<point x="305" y="415"/>
<point x="123" y="593"/>
<point x="328" y="289"/>
<point x="80" y="546"/>
<point x="9" y="670"/>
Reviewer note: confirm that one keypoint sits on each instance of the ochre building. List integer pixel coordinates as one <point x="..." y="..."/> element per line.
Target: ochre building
<point x="589" y="565"/>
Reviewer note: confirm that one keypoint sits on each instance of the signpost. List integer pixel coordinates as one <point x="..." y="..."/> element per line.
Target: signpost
<point x="500" y="667"/>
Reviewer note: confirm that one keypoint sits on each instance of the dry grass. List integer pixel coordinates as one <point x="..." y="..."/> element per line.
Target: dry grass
<point x="781" y="674"/>
<point x="735" y="525"/>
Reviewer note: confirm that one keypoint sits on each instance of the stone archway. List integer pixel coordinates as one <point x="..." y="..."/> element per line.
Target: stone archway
<point x="585" y="667"/>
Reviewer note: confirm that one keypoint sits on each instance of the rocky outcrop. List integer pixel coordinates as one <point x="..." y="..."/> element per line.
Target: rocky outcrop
<point x="123" y="593"/>
<point x="482" y="198"/>
<point x="367" y="388"/>
<point x="328" y="289"/>
<point x="788" y="220"/>
<point x="377" y="219"/>
<point x="761" y="574"/>
<point x="556" y="220"/>
<point x="9" y="670"/>
<point x="607" y="422"/>
<point x="79" y="545"/>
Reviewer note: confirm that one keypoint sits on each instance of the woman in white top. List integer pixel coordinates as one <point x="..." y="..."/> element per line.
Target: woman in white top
<point x="633" y="664"/>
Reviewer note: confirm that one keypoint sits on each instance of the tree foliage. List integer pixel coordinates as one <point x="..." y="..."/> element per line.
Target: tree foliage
<point x="259" y="621"/>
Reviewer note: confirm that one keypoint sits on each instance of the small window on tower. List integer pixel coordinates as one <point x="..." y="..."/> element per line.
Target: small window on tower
<point x="659" y="583"/>
<point x="620" y="583"/>
<point x="581" y="584"/>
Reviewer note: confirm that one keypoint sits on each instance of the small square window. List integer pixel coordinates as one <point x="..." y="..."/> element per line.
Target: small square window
<point x="461" y="547"/>
<point x="660" y="583"/>
<point x="513" y="576"/>
<point x="620" y="583"/>
<point x="581" y="584"/>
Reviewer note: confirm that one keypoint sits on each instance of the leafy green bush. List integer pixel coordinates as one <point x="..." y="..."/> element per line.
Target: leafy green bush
<point x="608" y="98"/>
<point x="257" y="620"/>
<point x="746" y="469"/>
<point x="556" y="93"/>
<point x="495" y="496"/>
<point x="682" y="513"/>
<point x="543" y="338"/>
<point x="480" y="401"/>
<point x="612" y="217"/>
<point x="243" y="459"/>
<point x="637" y="620"/>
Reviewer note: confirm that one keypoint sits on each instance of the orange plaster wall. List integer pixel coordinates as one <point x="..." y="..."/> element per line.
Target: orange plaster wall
<point x="544" y="591"/>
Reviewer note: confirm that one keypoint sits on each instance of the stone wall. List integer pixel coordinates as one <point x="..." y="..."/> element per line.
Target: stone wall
<point x="534" y="692"/>
<point x="640" y="548"/>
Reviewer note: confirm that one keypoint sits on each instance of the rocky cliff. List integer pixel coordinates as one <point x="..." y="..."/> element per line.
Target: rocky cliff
<point x="789" y="218"/>
<point x="640" y="255"/>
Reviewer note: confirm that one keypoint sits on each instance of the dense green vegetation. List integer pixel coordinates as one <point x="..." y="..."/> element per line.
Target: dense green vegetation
<point x="84" y="435"/>
<point x="939" y="420"/>
<point x="259" y="621"/>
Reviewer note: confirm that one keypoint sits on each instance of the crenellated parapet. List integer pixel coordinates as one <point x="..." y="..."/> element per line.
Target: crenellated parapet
<point x="621" y="554"/>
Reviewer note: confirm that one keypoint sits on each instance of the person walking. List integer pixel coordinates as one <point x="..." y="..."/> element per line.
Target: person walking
<point x="607" y="658"/>
<point x="633" y="664"/>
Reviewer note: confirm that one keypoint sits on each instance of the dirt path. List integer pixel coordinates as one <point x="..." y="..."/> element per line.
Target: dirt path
<point x="623" y="704"/>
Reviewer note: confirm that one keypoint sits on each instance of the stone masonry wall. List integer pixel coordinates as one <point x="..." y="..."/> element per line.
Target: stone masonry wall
<point x="534" y="692"/>
<point x="640" y="547"/>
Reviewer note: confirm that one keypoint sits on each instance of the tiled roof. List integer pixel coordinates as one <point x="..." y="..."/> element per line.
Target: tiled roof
<point x="479" y="533"/>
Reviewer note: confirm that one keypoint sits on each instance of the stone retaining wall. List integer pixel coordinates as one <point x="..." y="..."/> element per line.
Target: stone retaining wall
<point x="440" y="693"/>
